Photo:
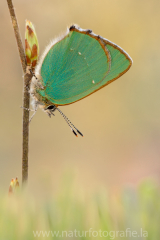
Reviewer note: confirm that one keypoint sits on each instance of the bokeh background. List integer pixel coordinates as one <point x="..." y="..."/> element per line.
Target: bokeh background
<point x="120" y="123"/>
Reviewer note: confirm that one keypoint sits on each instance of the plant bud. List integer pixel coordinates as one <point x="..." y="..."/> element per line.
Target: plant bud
<point x="14" y="185"/>
<point x="31" y="45"/>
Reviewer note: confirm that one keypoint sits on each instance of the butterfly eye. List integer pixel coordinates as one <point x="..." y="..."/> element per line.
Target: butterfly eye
<point x="51" y="107"/>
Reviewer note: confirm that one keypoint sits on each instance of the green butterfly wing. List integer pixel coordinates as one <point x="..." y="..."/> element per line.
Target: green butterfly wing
<point x="80" y="64"/>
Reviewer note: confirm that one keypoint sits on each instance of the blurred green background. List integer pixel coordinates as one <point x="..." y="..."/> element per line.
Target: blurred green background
<point x="120" y="123"/>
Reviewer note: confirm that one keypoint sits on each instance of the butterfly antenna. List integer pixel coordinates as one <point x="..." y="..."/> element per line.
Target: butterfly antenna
<point x="69" y="123"/>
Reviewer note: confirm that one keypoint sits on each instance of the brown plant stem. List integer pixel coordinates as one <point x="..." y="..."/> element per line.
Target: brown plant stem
<point x="26" y="95"/>
<point x="25" y="131"/>
<point x="17" y="35"/>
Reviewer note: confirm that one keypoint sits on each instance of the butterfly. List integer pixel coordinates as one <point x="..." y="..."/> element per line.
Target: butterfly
<point x="74" y="66"/>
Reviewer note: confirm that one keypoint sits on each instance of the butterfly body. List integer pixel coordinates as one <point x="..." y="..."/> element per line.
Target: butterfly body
<point x="75" y="66"/>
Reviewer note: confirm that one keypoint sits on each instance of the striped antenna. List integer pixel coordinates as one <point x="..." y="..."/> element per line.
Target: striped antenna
<point x="70" y="124"/>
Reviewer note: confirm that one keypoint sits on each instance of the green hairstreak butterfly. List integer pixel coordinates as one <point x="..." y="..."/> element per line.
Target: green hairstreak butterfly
<point x="73" y="67"/>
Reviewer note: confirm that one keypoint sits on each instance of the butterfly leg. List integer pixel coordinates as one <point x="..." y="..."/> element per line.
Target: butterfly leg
<point x="31" y="110"/>
<point x="35" y="110"/>
<point x="50" y="109"/>
<point x="33" y="114"/>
